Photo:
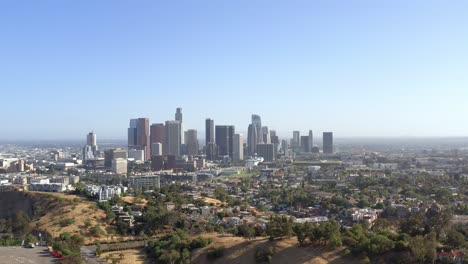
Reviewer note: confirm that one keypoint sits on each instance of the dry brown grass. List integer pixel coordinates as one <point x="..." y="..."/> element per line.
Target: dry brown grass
<point x="240" y="251"/>
<point x="209" y="200"/>
<point x="131" y="256"/>
<point x="131" y="200"/>
<point x="80" y="211"/>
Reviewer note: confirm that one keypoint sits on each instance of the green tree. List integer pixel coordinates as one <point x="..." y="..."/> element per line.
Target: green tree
<point x="220" y="194"/>
<point x="300" y="232"/>
<point x="455" y="239"/>
<point x="380" y="244"/>
<point x="170" y="256"/>
<point x="423" y="249"/>
<point x="246" y="231"/>
<point x="97" y="230"/>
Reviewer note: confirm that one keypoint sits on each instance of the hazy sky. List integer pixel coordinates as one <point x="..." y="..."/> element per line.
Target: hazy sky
<point x="358" y="68"/>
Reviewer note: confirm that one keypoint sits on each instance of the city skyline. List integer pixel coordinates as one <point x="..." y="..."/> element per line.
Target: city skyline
<point x="359" y="69"/>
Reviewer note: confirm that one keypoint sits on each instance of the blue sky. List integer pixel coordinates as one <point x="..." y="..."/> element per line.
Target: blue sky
<point x="358" y="68"/>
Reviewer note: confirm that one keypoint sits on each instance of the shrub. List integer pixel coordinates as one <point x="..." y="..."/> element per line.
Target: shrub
<point x="97" y="230"/>
<point x="264" y="254"/>
<point x="345" y="252"/>
<point x="66" y="222"/>
<point x="200" y="242"/>
<point x="365" y="260"/>
<point x="216" y="252"/>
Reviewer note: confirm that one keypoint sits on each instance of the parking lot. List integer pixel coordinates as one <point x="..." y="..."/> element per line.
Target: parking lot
<point x="12" y="255"/>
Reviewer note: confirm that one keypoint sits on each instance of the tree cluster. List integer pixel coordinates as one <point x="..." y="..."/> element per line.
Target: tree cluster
<point x="280" y="226"/>
<point x="67" y="245"/>
<point x="175" y="248"/>
<point x="327" y="233"/>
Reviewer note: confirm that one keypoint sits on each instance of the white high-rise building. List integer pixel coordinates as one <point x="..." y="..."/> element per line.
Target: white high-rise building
<point x="156" y="149"/>
<point x="91" y="139"/>
<point x="238" y="147"/>
<point x="266" y="135"/>
<point x="179" y="117"/>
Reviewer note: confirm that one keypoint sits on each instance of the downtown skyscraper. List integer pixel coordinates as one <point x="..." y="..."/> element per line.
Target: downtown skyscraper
<point x="173" y="138"/>
<point x="158" y="135"/>
<point x="90" y="151"/>
<point x="179" y="117"/>
<point x="296" y="139"/>
<point x="311" y="140"/>
<point x="238" y="152"/>
<point x="225" y="140"/>
<point x="209" y="131"/>
<point x="257" y="122"/>
<point x="328" y="142"/>
<point x="139" y="136"/>
<point x="252" y="139"/>
<point x="191" y="141"/>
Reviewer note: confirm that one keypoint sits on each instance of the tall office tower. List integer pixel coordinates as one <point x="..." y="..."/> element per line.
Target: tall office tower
<point x="252" y="139"/>
<point x="266" y="135"/>
<point x="305" y="144"/>
<point x="211" y="151"/>
<point x="224" y="136"/>
<point x="311" y="140"/>
<point x="139" y="135"/>
<point x="209" y="131"/>
<point x="158" y="135"/>
<point x="257" y="122"/>
<point x="91" y="140"/>
<point x="327" y="142"/>
<point x="275" y="140"/>
<point x="191" y="141"/>
<point x="274" y="137"/>
<point x="179" y="117"/>
<point x="266" y="151"/>
<point x="173" y="138"/>
<point x="90" y="151"/>
<point x="238" y="152"/>
<point x="143" y="136"/>
<point x="284" y="145"/>
<point x="273" y="133"/>
<point x="296" y="138"/>
<point x="132" y="132"/>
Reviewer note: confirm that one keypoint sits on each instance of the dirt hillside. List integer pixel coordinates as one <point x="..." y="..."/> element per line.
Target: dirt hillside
<point x="240" y="251"/>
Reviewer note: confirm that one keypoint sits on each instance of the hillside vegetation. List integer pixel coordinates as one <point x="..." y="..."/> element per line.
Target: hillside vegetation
<point x="74" y="215"/>
<point x="238" y="250"/>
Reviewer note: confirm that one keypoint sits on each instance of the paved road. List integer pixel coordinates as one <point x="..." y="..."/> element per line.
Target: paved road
<point x="20" y="255"/>
<point x="89" y="255"/>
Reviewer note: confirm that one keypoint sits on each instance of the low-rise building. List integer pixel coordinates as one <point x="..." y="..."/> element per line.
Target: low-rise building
<point x="144" y="182"/>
